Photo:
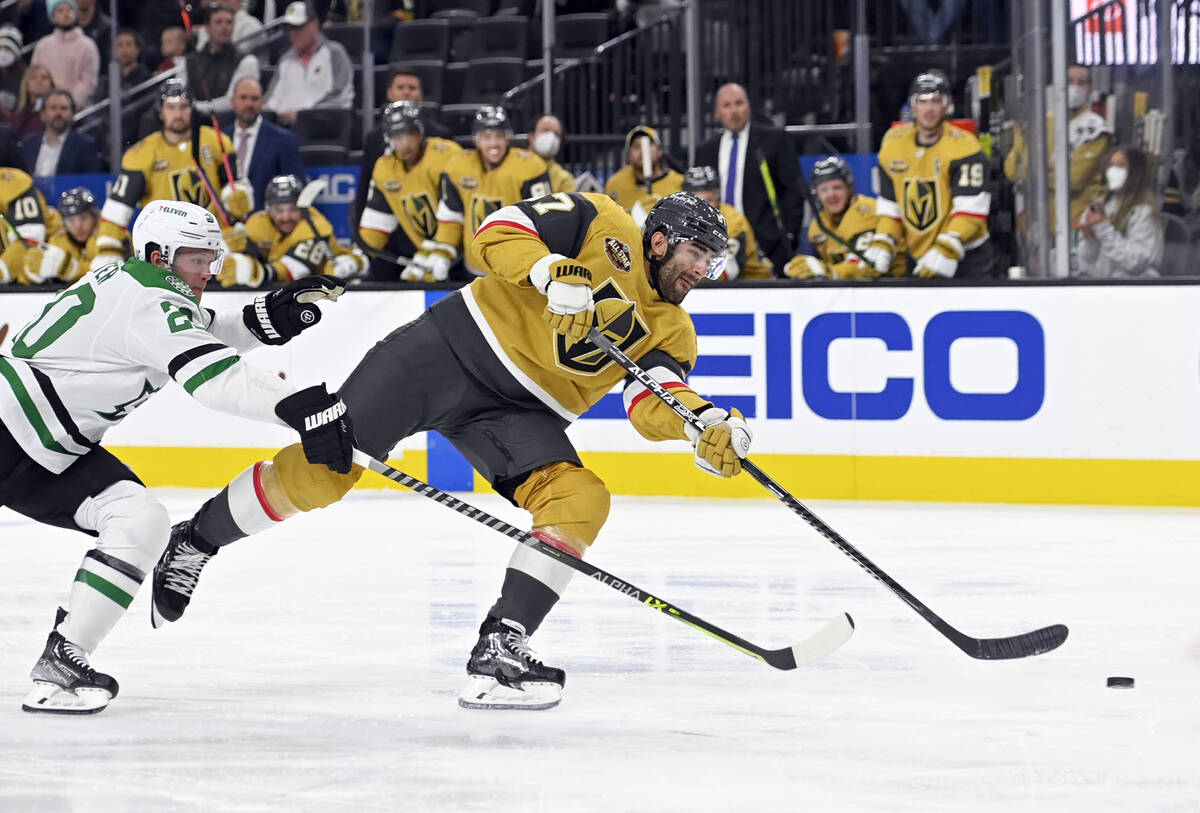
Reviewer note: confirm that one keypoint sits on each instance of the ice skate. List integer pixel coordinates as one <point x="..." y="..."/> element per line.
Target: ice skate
<point x="63" y="680"/>
<point x="503" y="673"/>
<point x="176" y="574"/>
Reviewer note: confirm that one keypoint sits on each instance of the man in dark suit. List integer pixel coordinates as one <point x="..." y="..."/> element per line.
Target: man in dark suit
<point x="263" y="149"/>
<point x="59" y="150"/>
<point x="760" y="175"/>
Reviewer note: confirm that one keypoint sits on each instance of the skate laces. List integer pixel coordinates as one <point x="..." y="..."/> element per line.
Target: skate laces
<point x="184" y="569"/>
<point x="519" y="644"/>
<point x="76" y="657"/>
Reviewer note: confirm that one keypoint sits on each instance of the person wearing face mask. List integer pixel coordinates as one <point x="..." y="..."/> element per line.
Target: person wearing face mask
<point x="545" y="140"/>
<point x="1088" y="141"/>
<point x="69" y="54"/>
<point x="1121" y="231"/>
<point x="12" y="67"/>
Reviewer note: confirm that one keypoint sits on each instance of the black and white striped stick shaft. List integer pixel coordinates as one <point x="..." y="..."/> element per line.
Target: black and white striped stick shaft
<point x="1016" y="646"/>
<point x="825" y="641"/>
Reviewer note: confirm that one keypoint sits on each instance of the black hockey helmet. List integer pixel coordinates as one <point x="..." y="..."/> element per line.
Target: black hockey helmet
<point x="833" y="168"/>
<point x="928" y="83"/>
<point x="491" y="117"/>
<point x="282" y="189"/>
<point x="77" y="201"/>
<point x="173" y="89"/>
<point x="402" y="117"/>
<point x="701" y="179"/>
<point x="682" y="217"/>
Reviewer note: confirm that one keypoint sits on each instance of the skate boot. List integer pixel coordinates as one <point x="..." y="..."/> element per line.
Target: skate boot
<point x="177" y="572"/>
<point x="63" y="680"/>
<point x="503" y="673"/>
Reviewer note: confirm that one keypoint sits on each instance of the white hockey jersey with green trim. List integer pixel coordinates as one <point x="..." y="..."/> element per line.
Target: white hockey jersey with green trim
<point x="103" y="346"/>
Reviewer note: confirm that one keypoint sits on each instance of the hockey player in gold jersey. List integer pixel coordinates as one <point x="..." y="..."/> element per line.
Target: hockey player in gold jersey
<point x="627" y="186"/>
<point x="71" y="247"/>
<point x="286" y="241"/>
<point x="501" y="368"/>
<point x="743" y="260"/>
<point x="842" y="230"/>
<point x="27" y="257"/>
<point x="476" y="183"/>
<point x="933" y="191"/>
<point x="405" y="188"/>
<point x="169" y="165"/>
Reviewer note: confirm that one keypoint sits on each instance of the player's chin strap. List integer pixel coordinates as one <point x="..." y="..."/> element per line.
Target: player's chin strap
<point x="1017" y="646"/>
<point x="816" y="646"/>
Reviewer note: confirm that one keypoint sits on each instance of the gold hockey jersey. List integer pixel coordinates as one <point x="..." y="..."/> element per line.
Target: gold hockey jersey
<point x="507" y="313"/>
<point x="309" y="249"/>
<point x="469" y="193"/>
<point x="406" y="198"/>
<point x="626" y="188"/>
<point x="25" y="209"/>
<point x="743" y="247"/>
<point x="82" y="253"/>
<point x="932" y="195"/>
<point x="152" y="169"/>
<point x="853" y="232"/>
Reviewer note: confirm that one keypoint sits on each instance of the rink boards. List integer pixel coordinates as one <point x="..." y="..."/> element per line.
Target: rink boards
<point x="1054" y="394"/>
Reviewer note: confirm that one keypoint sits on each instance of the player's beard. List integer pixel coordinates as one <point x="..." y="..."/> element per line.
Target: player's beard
<point x="673" y="280"/>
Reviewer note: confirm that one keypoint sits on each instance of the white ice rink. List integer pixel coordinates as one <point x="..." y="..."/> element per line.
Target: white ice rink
<point x="318" y="666"/>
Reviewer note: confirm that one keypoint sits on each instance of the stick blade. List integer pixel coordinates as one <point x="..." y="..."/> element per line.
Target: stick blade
<point x="821" y="643"/>
<point x="1018" y="646"/>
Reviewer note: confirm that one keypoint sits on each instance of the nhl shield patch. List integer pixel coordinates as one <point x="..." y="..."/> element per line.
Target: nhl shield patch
<point x="618" y="254"/>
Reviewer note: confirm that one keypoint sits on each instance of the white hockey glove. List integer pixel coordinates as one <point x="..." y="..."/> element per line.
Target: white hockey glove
<point x="433" y="261"/>
<point x="567" y="285"/>
<point x="722" y="445"/>
<point x="5" y="274"/>
<point x="414" y="271"/>
<point x="104" y="258"/>
<point x="879" y="257"/>
<point x="45" y="262"/>
<point x="804" y="266"/>
<point x="437" y="266"/>
<point x="934" y="263"/>
<point x="732" y="269"/>
<point x="242" y="269"/>
<point x="350" y="265"/>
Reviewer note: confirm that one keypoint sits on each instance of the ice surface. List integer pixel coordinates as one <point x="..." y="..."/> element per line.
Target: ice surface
<point x="318" y="666"/>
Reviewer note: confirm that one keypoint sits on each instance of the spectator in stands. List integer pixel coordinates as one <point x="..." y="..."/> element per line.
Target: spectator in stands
<point x="263" y="150"/>
<point x="173" y="47"/>
<point x="546" y="140"/>
<point x="12" y="67"/>
<point x="760" y="176"/>
<point x="1121" y="232"/>
<point x="245" y="25"/>
<point x="630" y="186"/>
<point x="313" y="72"/>
<point x="129" y="57"/>
<point x="27" y="118"/>
<point x="70" y="54"/>
<point x="58" y="149"/>
<point x="402" y="86"/>
<point x="213" y="70"/>
<point x="98" y="27"/>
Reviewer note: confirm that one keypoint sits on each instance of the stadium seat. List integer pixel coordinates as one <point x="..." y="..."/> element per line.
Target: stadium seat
<point x="481" y="8"/>
<point x="577" y="35"/>
<point x="350" y="35"/>
<point x="421" y="40"/>
<point x="523" y="8"/>
<point x="488" y="79"/>
<point x="1177" y="247"/>
<point x="323" y="155"/>
<point x="460" y="118"/>
<point x="500" y="36"/>
<point x="323" y="126"/>
<point x="433" y="77"/>
<point x="462" y="28"/>
<point x="456" y="73"/>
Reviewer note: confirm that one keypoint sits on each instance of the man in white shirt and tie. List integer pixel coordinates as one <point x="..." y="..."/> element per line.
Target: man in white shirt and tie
<point x="760" y="174"/>
<point x="263" y="149"/>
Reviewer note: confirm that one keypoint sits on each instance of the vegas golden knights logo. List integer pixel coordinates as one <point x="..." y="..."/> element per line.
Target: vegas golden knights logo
<point x="921" y="204"/>
<point x="421" y="213"/>
<point x="617" y="318"/>
<point x="481" y="207"/>
<point x="189" y="188"/>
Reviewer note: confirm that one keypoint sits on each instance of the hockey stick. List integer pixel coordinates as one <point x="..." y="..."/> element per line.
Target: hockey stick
<point x="825" y="641"/>
<point x="1016" y="646"/>
<point x="3" y="332"/>
<point x="380" y="254"/>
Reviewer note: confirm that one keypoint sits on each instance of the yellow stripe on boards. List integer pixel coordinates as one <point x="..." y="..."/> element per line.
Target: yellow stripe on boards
<point x="808" y="477"/>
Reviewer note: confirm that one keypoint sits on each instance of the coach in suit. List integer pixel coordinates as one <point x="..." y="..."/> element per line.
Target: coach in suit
<point x="263" y="149"/>
<point x="738" y="152"/>
<point x="57" y="149"/>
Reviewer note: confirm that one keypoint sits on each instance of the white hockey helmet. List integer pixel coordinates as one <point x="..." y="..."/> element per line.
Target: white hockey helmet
<point x="169" y="225"/>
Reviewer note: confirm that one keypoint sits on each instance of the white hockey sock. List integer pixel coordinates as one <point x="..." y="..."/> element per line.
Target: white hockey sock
<point x="248" y="502"/>
<point x="102" y="591"/>
<point x="554" y="575"/>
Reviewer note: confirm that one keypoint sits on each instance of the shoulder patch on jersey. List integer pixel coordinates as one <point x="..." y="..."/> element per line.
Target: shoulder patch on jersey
<point x="160" y="165"/>
<point x="618" y="254"/>
<point x="897" y="165"/>
<point x="151" y="276"/>
<point x="391" y="185"/>
<point x="179" y="285"/>
<point x="818" y="239"/>
<point x="468" y="182"/>
<point x="865" y="209"/>
<point x="206" y="153"/>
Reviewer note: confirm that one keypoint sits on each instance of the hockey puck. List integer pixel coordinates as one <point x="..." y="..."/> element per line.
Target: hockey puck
<point x="1120" y="682"/>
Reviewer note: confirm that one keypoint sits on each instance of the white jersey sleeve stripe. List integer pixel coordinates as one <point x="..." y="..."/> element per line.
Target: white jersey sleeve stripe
<point x="509" y="216"/>
<point x="636" y="390"/>
<point x="978" y="205"/>
<point x="374" y="220"/>
<point x="116" y="212"/>
<point x="447" y="215"/>
<point x="887" y="208"/>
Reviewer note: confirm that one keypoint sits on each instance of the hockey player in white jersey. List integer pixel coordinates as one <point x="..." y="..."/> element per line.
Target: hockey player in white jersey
<point x="100" y="349"/>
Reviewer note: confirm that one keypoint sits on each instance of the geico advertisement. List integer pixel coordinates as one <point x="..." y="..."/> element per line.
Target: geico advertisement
<point x="1059" y="372"/>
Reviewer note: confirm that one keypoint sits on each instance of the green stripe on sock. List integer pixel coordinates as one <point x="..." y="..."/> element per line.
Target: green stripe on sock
<point x="211" y="371"/>
<point x="104" y="587"/>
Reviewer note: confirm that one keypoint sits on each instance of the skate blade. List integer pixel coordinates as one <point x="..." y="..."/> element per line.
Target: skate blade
<point x="483" y="692"/>
<point x="156" y="620"/>
<point x="49" y="698"/>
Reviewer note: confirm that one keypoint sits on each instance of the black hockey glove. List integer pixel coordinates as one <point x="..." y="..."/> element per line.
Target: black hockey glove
<point x="279" y="316"/>
<point x="326" y="431"/>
